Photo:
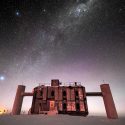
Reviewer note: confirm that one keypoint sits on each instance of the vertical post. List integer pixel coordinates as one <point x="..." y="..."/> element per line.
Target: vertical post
<point x="18" y="100"/>
<point x="108" y="101"/>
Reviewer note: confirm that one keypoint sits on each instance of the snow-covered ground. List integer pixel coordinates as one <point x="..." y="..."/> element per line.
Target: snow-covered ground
<point x="58" y="120"/>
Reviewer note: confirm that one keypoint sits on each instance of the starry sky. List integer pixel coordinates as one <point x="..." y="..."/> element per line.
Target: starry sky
<point x="74" y="40"/>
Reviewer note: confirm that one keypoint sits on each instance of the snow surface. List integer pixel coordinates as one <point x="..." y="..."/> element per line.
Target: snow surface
<point x="58" y="120"/>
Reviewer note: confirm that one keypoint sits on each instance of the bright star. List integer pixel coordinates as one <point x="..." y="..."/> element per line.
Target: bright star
<point x="2" y="78"/>
<point x="17" y="13"/>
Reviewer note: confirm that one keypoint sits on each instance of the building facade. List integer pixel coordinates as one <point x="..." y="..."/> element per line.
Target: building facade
<point x="60" y="99"/>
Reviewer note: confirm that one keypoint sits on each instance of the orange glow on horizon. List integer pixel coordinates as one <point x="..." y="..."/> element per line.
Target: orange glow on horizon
<point x="3" y="110"/>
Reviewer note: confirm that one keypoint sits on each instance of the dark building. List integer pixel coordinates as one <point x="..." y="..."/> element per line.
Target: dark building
<point x="59" y="99"/>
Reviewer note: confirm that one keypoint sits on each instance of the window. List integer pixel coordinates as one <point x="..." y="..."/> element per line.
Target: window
<point x="52" y="93"/>
<point x="64" y="106"/>
<point x="41" y="93"/>
<point x="77" y="106"/>
<point x="39" y="104"/>
<point x="64" y="93"/>
<point x="76" y="93"/>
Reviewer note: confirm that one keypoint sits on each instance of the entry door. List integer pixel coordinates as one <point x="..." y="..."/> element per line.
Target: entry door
<point x="52" y="105"/>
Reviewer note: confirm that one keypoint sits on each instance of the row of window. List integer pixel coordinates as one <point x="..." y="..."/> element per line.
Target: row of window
<point x="53" y="93"/>
<point x="65" y="106"/>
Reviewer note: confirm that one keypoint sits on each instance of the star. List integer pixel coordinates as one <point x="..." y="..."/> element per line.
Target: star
<point x="44" y="10"/>
<point x="2" y="78"/>
<point x="17" y="13"/>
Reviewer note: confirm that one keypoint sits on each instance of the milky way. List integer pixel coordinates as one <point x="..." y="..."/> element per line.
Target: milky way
<point x="75" y="40"/>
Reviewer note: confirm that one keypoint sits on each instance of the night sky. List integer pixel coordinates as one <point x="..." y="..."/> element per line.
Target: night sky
<point x="70" y="40"/>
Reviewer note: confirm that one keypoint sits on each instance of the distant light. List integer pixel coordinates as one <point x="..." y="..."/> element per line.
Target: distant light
<point x="44" y="10"/>
<point x="17" y="13"/>
<point x="2" y="111"/>
<point x="2" y="78"/>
